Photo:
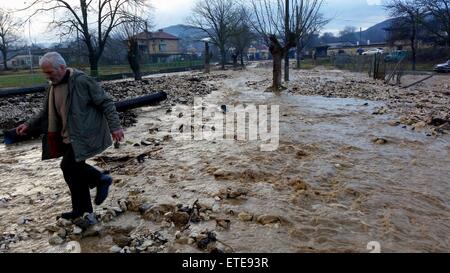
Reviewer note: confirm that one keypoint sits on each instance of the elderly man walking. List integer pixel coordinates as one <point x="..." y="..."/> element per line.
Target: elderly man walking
<point x="77" y="122"/>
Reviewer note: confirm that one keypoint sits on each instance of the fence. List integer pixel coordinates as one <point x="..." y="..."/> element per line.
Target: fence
<point x="26" y="78"/>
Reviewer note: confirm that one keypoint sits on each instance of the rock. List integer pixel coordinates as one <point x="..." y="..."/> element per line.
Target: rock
<point x="64" y="223"/>
<point x="268" y="219"/>
<point x="301" y="154"/>
<point x="144" y="208"/>
<point x="146" y="143"/>
<point x="117" y="210"/>
<point x="115" y="249"/>
<point x="52" y="228"/>
<point x="157" y="212"/>
<point x="77" y="230"/>
<point x="216" y="208"/>
<point x="93" y="231"/>
<point x="122" y="240"/>
<point x="245" y="217"/>
<point x="394" y="123"/>
<point x="419" y="125"/>
<point x="56" y="240"/>
<point x="22" y="220"/>
<point x="184" y="241"/>
<point x="125" y="250"/>
<point x="379" y="141"/>
<point x="73" y="247"/>
<point x="133" y="203"/>
<point x="445" y="126"/>
<point x="237" y="193"/>
<point x="204" y="216"/>
<point x="123" y="205"/>
<point x="62" y="233"/>
<point x="223" y="223"/>
<point x="380" y="111"/>
<point x="180" y="218"/>
<point x="108" y="215"/>
<point x="298" y="185"/>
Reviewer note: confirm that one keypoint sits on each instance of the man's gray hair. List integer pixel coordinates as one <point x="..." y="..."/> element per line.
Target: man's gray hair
<point x="53" y="58"/>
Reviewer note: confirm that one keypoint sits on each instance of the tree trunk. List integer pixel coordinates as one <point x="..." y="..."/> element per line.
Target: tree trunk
<point x="286" y="33"/>
<point x="223" y="54"/>
<point x="414" y="53"/>
<point x="277" y="64"/>
<point x="286" y="66"/>
<point x="242" y="60"/>
<point x="207" y="66"/>
<point x="299" y="59"/>
<point x="5" y="61"/>
<point x="133" y="59"/>
<point x="93" y="62"/>
<point x="277" y="55"/>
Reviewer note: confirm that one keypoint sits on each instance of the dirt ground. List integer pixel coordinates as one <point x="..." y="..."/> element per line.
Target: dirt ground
<point x="357" y="162"/>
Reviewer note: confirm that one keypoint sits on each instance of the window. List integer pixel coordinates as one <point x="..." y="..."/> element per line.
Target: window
<point x="162" y="46"/>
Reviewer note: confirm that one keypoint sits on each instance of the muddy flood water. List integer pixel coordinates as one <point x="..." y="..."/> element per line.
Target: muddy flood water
<point x="340" y="178"/>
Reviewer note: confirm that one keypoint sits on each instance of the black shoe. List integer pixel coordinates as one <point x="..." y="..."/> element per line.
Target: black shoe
<point x="103" y="189"/>
<point x="70" y="215"/>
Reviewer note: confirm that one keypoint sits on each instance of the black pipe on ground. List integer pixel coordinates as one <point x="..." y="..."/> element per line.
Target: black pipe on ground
<point x="22" y="91"/>
<point x="149" y="100"/>
<point x="11" y="137"/>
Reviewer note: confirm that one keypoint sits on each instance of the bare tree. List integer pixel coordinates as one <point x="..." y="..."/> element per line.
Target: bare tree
<point x="410" y="14"/>
<point x="137" y="22"/>
<point x="8" y="35"/>
<point x="217" y="18"/>
<point x="94" y="20"/>
<point x="439" y="24"/>
<point x="280" y="31"/>
<point x="308" y="21"/>
<point x="243" y="35"/>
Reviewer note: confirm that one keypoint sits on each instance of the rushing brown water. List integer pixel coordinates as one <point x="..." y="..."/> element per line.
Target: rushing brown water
<point x="332" y="186"/>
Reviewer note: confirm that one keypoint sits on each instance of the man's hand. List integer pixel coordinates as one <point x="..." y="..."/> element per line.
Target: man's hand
<point x="118" y="135"/>
<point x="22" y="130"/>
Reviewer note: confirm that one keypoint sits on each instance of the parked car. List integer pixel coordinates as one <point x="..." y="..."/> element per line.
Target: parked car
<point x="395" y="56"/>
<point x="445" y="67"/>
<point x="373" y="51"/>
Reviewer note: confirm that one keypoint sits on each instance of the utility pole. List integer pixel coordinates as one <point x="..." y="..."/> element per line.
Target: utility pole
<point x="207" y="57"/>
<point x="287" y="33"/>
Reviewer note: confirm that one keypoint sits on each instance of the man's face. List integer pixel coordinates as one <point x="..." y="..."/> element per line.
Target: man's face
<point x="52" y="74"/>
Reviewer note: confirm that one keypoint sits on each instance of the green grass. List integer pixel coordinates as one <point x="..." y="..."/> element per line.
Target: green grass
<point x="21" y="80"/>
<point x="25" y="78"/>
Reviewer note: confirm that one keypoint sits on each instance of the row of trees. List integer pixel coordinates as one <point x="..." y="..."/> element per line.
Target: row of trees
<point x="280" y="24"/>
<point x="419" y="18"/>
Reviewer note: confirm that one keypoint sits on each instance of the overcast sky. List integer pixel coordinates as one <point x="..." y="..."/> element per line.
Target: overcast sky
<point x="358" y="13"/>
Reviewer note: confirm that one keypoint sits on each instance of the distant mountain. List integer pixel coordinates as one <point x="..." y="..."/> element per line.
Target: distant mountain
<point x="376" y="33"/>
<point x="185" y="32"/>
<point x="189" y="36"/>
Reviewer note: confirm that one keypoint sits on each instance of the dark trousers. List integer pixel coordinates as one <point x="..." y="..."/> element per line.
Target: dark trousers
<point x="80" y="177"/>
